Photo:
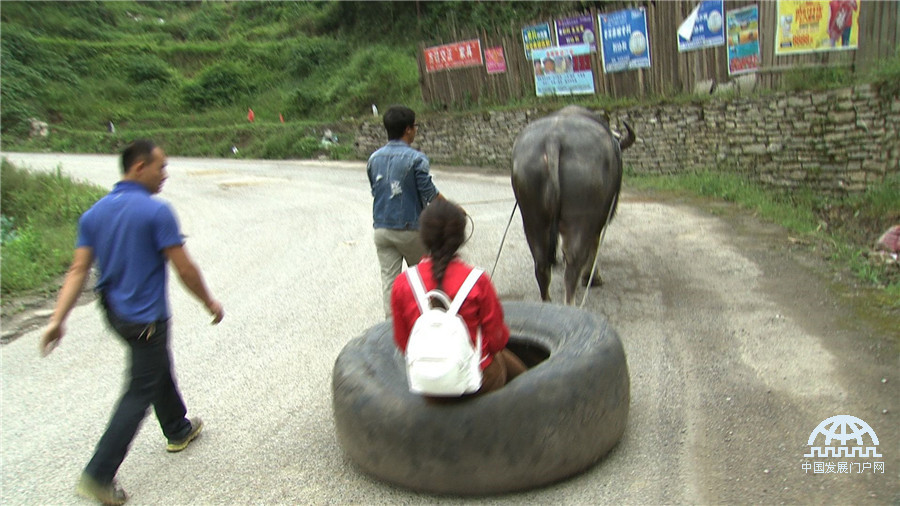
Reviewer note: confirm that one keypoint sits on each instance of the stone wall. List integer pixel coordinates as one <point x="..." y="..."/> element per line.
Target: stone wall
<point x="834" y="141"/>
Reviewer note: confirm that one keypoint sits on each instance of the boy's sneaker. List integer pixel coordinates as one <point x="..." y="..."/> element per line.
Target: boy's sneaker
<point x="176" y="445"/>
<point x="107" y="494"/>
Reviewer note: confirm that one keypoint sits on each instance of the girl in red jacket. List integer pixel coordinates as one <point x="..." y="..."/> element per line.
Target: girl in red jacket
<point x="442" y="226"/>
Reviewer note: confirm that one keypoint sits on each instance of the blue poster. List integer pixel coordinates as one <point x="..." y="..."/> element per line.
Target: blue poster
<point x="563" y="70"/>
<point x="536" y="37"/>
<point x="704" y="27"/>
<point x="623" y="40"/>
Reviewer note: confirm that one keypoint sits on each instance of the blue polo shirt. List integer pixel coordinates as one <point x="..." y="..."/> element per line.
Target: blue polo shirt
<point x="128" y="230"/>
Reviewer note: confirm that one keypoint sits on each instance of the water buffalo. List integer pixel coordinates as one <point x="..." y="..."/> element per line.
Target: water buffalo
<point x="566" y="175"/>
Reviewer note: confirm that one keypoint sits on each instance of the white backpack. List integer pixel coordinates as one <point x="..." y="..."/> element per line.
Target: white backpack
<point x="440" y="358"/>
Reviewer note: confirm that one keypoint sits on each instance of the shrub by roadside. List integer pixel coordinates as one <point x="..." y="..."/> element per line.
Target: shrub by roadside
<point x="40" y="218"/>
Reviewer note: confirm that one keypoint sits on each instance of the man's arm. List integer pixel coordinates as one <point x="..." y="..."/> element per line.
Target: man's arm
<point x="68" y="296"/>
<point x="424" y="184"/>
<point x="192" y="279"/>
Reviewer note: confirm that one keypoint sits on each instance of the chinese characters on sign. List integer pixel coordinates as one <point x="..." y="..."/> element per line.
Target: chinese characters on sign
<point x="816" y="25"/>
<point x="536" y="37"/>
<point x="563" y="71"/>
<point x="704" y="27"/>
<point x="578" y="30"/>
<point x="819" y="467"/>
<point x="452" y="56"/>
<point x="743" y="40"/>
<point x="624" y="43"/>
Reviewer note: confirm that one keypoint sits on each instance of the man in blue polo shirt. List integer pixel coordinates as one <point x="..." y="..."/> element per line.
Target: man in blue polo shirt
<point x="401" y="186"/>
<point x="132" y="236"/>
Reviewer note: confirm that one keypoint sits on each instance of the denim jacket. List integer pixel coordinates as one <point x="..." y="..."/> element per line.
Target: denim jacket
<point x="401" y="185"/>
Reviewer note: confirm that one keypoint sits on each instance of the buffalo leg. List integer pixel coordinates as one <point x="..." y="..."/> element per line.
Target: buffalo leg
<point x="579" y="252"/>
<point x="542" y="261"/>
<point x="538" y="232"/>
<point x="542" y="273"/>
<point x="586" y="277"/>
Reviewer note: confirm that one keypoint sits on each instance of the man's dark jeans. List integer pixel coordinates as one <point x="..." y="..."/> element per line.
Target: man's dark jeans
<point x="151" y="383"/>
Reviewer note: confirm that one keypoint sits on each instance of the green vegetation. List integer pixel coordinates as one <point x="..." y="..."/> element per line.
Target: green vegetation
<point x="195" y="68"/>
<point x="886" y="76"/>
<point x="820" y="78"/>
<point x="838" y="227"/>
<point x="39" y="218"/>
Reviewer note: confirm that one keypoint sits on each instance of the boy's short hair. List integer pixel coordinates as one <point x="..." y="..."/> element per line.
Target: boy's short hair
<point x="397" y="119"/>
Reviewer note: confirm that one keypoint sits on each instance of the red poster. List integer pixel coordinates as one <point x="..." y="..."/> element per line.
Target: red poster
<point x="494" y="61"/>
<point x="453" y="56"/>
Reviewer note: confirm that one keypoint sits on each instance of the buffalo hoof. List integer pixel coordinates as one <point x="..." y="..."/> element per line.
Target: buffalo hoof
<point x="557" y="419"/>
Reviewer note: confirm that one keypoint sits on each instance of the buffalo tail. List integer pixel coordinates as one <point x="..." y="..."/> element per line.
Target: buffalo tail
<point x="551" y="194"/>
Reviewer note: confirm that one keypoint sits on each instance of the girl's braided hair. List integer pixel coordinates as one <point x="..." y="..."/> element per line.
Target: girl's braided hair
<point x="442" y="227"/>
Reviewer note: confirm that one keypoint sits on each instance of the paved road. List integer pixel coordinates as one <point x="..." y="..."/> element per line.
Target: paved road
<point x="738" y="348"/>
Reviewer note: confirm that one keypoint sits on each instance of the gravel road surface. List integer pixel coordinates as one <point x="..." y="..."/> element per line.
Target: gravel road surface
<point x="738" y="345"/>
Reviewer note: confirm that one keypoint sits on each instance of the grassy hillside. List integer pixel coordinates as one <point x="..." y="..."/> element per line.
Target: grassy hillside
<point x="165" y="65"/>
<point x="154" y="68"/>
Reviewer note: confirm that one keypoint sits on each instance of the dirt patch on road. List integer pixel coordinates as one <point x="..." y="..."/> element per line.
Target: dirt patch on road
<point x="23" y="313"/>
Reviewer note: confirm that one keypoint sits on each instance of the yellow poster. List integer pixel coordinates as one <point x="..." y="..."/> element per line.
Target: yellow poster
<point x="816" y="25"/>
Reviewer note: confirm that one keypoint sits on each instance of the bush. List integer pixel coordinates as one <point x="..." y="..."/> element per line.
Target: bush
<point x="306" y="147"/>
<point x="307" y="100"/>
<point x="208" y="24"/>
<point x="886" y="76"/>
<point x="40" y="216"/>
<point x="817" y="78"/>
<point x="312" y="54"/>
<point x="374" y="75"/>
<point x="144" y="69"/>
<point x="218" y="85"/>
<point x="377" y="74"/>
<point x="28" y="67"/>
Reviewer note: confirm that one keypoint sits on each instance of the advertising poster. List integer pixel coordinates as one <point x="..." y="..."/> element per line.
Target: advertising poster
<point x="453" y="56"/>
<point x="743" y="40"/>
<point x="494" y="61"/>
<point x="704" y="27"/>
<point x="809" y="26"/>
<point x="578" y="30"/>
<point x="563" y="71"/>
<point x="624" y="44"/>
<point x="536" y="37"/>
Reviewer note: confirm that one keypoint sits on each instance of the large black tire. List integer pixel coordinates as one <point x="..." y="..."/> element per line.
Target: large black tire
<point x="553" y="421"/>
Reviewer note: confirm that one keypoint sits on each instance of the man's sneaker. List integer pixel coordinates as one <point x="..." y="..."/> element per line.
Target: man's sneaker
<point x="176" y="445"/>
<point x="107" y="494"/>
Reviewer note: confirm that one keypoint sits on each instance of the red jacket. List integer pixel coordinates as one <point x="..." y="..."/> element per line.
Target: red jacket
<point x="482" y="307"/>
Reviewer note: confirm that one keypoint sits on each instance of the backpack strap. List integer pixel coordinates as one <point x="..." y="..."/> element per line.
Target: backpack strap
<point x="457" y="303"/>
<point x="464" y="290"/>
<point x="418" y="288"/>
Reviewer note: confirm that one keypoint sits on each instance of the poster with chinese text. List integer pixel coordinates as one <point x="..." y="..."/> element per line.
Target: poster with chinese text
<point x="563" y="71"/>
<point x="704" y="27"/>
<point x="453" y="56"/>
<point x="577" y="30"/>
<point x="624" y="43"/>
<point x="816" y="25"/>
<point x="536" y="37"/>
